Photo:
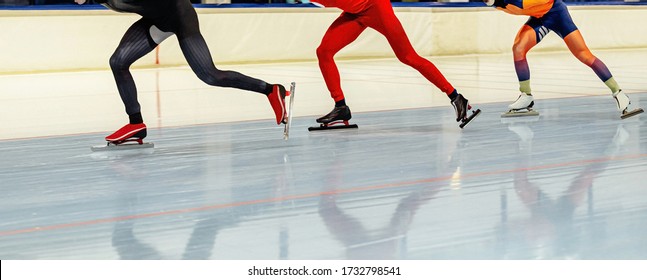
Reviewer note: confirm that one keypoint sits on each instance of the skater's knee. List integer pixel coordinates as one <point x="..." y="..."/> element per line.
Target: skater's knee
<point x="585" y="57"/>
<point x="118" y="61"/>
<point x="212" y="78"/>
<point x="410" y="59"/>
<point x="324" y="52"/>
<point x="519" y="50"/>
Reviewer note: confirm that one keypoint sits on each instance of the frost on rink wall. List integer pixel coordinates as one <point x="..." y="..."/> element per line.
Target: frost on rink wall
<point x="53" y="40"/>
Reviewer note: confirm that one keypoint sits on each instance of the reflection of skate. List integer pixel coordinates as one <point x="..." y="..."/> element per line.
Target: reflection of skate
<point x="362" y="243"/>
<point x="288" y="120"/>
<point x="619" y="139"/>
<point x="622" y="103"/>
<point x="528" y="120"/>
<point x="621" y="136"/>
<point x="521" y="107"/>
<point x="129" y="247"/>
<point x="337" y="119"/>
<point x="107" y="154"/>
<point x="523" y="131"/>
<point x="130" y="136"/>
<point x="462" y="106"/>
<point x="521" y="127"/>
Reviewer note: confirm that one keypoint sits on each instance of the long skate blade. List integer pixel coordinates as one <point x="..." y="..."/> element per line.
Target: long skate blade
<point x="470" y="118"/>
<point x="122" y="147"/>
<point x="632" y="113"/>
<point x="520" y="114"/>
<point x="286" y="130"/>
<point x="319" y="128"/>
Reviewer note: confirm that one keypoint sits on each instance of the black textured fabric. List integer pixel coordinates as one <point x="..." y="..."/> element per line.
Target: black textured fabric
<point x="180" y="18"/>
<point x="500" y="3"/>
<point x="135" y="44"/>
<point x="145" y="8"/>
<point x="136" y="118"/>
<point x="197" y="55"/>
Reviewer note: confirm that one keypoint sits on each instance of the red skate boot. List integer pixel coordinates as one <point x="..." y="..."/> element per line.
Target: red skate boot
<point x="128" y="133"/>
<point x="121" y="138"/>
<point x="277" y="100"/>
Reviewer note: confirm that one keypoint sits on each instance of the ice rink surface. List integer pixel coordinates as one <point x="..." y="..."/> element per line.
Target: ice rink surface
<point x="221" y="182"/>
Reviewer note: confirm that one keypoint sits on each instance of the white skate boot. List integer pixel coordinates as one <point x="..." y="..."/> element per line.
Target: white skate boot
<point x="521" y="107"/>
<point x="622" y="103"/>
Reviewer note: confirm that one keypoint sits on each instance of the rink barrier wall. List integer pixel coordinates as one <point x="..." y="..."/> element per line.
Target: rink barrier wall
<point x="73" y="38"/>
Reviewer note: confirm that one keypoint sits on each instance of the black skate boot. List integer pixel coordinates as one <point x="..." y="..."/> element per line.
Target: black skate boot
<point x="337" y="118"/>
<point x="337" y="114"/>
<point x="462" y="106"/>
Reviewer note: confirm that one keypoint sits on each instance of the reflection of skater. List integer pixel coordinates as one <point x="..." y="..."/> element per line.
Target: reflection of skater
<point x="161" y="19"/>
<point x="129" y="247"/>
<point x="551" y="230"/>
<point x="203" y="238"/>
<point x="361" y="243"/>
<point x="546" y="16"/>
<point x="199" y="246"/>
<point x="124" y="239"/>
<point x="133" y="238"/>
<point x="551" y="226"/>
<point x="378" y="15"/>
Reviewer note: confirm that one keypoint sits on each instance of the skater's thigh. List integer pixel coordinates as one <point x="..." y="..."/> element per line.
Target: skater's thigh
<point x="344" y="30"/>
<point x="382" y="18"/>
<point x="525" y="40"/>
<point x="535" y="29"/>
<point x="185" y="22"/>
<point x="577" y="46"/>
<point x="136" y="42"/>
<point x="137" y="32"/>
<point x="558" y="19"/>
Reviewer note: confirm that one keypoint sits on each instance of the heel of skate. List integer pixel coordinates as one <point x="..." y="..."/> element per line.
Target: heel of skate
<point x="277" y="102"/>
<point x="631" y="113"/>
<point x="467" y="120"/>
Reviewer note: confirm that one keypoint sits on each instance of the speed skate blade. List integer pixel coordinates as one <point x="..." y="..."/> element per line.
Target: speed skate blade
<point x="520" y="114"/>
<point x="323" y="127"/>
<point x="632" y="113"/>
<point x="470" y="118"/>
<point x="286" y="130"/>
<point x="122" y="147"/>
